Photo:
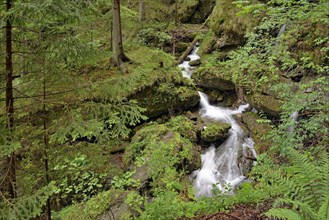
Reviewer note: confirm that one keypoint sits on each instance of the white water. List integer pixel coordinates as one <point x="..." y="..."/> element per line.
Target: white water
<point x="293" y="118"/>
<point x="187" y="70"/>
<point x="220" y="166"/>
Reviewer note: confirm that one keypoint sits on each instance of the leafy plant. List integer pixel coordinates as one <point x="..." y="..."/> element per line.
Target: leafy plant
<point x="306" y="184"/>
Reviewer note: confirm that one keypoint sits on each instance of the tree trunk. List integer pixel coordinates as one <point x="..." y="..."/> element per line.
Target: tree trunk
<point x="117" y="47"/>
<point x="11" y="161"/>
<point x="176" y="12"/>
<point x="141" y="10"/>
<point x="46" y="143"/>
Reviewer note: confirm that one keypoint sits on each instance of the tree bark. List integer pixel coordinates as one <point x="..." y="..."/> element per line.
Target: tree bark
<point x="176" y="12"/>
<point x="141" y="10"/>
<point x="11" y="160"/>
<point x="46" y="143"/>
<point x="117" y="46"/>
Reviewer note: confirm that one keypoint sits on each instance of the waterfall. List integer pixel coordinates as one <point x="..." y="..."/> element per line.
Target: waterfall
<point x="282" y="30"/>
<point x="220" y="166"/>
<point x="293" y="118"/>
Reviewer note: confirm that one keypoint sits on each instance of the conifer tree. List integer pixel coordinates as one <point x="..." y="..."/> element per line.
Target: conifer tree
<point x="117" y="46"/>
<point x="10" y="175"/>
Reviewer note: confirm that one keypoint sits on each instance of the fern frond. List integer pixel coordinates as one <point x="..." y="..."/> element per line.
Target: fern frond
<point x="304" y="209"/>
<point x="310" y="182"/>
<point x="284" y="214"/>
<point x="323" y="213"/>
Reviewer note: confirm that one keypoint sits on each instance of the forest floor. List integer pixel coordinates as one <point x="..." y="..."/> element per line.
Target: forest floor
<point x="240" y="212"/>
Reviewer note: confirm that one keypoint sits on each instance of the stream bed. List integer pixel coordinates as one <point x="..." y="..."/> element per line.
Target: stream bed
<point x="221" y="166"/>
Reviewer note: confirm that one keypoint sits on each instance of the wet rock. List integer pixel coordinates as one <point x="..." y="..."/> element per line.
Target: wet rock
<point x="187" y="58"/>
<point x="215" y="96"/>
<point x="196" y="62"/>
<point x="258" y="131"/>
<point x="212" y="78"/>
<point x="215" y="132"/>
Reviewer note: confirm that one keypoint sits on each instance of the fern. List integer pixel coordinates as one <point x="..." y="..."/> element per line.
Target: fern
<point x="323" y="213"/>
<point x="286" y="214"/>
<point x="307" y="185"/>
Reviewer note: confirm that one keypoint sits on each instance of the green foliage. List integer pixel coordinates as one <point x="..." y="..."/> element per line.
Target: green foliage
<point x="154" y="38"/>
<point x="27" y="207"/>
<point x="103" y="121"/>
<point x="91" y="209"/>
<point x="184" y="127"/>
<point x="306" y="184"/>
<point x="125" y="181"/>
<point x="166" y="206"/>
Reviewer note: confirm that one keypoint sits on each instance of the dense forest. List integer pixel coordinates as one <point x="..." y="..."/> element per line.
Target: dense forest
<point x="164" y="109"/>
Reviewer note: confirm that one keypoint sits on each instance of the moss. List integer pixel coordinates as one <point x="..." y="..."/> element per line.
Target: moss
<point x="258" y="131"/>
<point x="162" y="151"/>
<point x="195" y="11"/>
<point x="207" y="44"/>
<point x="97" y="206"/>
<point x="266" y="103"/>
<point x="223" y="19"/>
<point x="167" y="95"/>
<point x="196" y="62"/>
<point x="212" y="77"/>
<point x="215" y="132"/>
<point x="187" y="9"/>
<point x="181" y="47"/>
<point x="185" y="127"/>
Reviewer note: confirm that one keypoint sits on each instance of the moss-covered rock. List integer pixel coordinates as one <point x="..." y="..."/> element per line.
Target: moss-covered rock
<point x="195" y="11"/>
<point x="213" y="78"/>
<point x="266" y="103"/>
<point x="167" y="94"/>
<point x="207" y="44"/>
<point x="92" y="209"/>
<point x="258" y="131"/>
<point x="185" y="127"/>
<point x="215" y="96"/>
<point x="157" y="152"/>
<point x="215" y="132"/>
<point x="196" y="62"/>
<point x="223" y="20"/>
<point x="181" y="47"/>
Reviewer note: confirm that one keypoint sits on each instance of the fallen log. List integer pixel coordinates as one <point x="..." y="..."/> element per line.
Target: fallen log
<point x="188" y="50"/>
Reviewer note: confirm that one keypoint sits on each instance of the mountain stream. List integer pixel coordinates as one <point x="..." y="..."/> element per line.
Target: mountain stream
<point x="220" y="166"/>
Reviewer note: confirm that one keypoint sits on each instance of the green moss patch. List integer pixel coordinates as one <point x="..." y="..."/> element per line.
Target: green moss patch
<point x="215" y="132"/>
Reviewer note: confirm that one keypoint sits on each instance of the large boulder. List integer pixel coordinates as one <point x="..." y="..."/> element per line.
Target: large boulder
<point x="212" y="78"/>
<point x="158" y="150"/>
<point x="224" y="21"/>
<point x="167" y="94"/>
<point x="195" y="11"/>
<point x="266" y="103"/>
<point x="215" y="132"/>
<point x="258" y="130"/>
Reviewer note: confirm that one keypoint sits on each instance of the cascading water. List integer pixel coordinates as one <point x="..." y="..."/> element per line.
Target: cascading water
<point x="187" y="70"/>
<point x="293" y="118"/>
<point x="220" y="166"/>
